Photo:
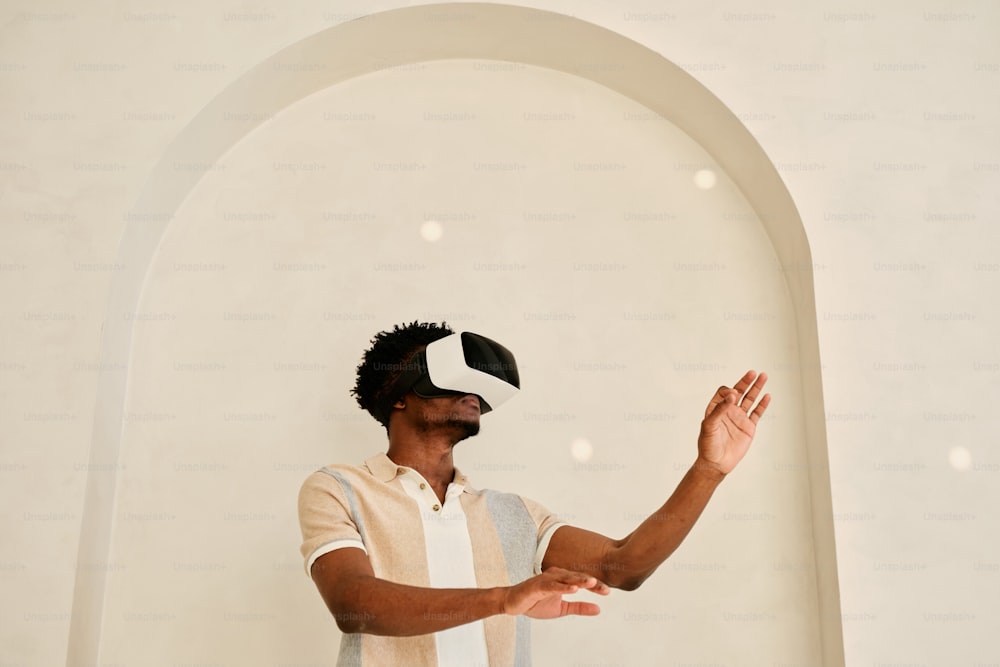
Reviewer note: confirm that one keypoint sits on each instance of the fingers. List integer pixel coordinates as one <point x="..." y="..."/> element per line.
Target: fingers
<point x="577" y="580"/>
<point x="580" y="609"/>
<point x="541" y="596"/>
<point x="753" y="392"/>
<point x="744" y="392"/>
<point x="745" y="381"/>
<point x="595" y="585"/>
<point x="721" y="395"/>
<point x="758" y="412"/>
<point x="569" y="576"/>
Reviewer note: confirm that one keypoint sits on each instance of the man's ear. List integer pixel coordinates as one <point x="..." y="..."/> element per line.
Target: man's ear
<point x="401" y="404"/>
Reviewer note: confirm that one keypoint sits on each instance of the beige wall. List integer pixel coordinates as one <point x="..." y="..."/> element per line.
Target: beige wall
<point x="878" y="121"/>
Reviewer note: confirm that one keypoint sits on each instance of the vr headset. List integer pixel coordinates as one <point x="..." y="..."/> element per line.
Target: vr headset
<point x="461" y="363"/>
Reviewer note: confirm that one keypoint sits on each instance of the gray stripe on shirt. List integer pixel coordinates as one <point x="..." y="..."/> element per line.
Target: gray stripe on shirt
<point x="350" y="644"/>
<point x="519" y="539"/>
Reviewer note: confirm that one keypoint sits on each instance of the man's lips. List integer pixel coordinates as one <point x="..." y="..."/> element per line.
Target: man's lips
<point x="472" y="399"/>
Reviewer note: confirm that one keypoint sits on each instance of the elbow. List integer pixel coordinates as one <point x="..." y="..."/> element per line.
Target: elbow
<point x="349" y="611"/>
<point x="630" y="584"/>
<point x="352" y="622"/>
<point x="622" y="574"/>
<point x="627" y="582"/>
<point x="344" y="623"/>
<point x="346" y="627"/>
<point x="350" y="616"/>
<point x="625" y="579"/>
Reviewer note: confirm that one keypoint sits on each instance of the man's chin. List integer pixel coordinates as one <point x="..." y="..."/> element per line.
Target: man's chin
<point x="463" y="426"/>
<point x="466" y="428"/>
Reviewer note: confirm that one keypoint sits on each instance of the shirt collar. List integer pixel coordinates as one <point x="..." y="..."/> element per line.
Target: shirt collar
<point x="384" y="470"/>
<point x="382" y="467"/>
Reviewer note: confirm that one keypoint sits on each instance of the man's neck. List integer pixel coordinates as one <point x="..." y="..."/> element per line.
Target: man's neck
<point x="432" y="458"/>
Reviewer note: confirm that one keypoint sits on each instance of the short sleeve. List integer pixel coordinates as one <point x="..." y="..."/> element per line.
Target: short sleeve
<point x="547" y="523"/>
<point x="325" y="518"/>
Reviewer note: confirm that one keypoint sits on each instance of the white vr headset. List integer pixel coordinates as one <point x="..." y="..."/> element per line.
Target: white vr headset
<point x="462" y="363"/>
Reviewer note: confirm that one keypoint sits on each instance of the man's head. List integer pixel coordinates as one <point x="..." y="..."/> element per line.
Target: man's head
<point x="386" y="359"/>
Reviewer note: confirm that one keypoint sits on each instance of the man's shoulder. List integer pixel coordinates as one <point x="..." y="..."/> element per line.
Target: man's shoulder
<point x="339" y="473"/>
<point x="343" y="469"/>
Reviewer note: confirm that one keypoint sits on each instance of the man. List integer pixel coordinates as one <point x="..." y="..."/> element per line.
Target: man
<point x="419" y="568"/>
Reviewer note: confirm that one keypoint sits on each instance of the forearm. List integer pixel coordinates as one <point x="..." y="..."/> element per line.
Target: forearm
<point x="726" y="433"/>
<point x="379" y="607"/>
<point x="635" y="557"/>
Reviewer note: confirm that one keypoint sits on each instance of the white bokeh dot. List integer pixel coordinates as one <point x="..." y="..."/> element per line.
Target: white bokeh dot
<point x="581" y="449"/>
<point x="704" y="179"/>
<point x="431" y="230"/>
<point x="960" y="458"/>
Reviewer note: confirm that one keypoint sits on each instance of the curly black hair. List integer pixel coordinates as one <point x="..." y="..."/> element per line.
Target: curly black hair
<point x="382" y="362"/>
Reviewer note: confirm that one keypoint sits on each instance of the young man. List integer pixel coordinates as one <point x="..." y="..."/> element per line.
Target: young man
<point x="420" y="568"/>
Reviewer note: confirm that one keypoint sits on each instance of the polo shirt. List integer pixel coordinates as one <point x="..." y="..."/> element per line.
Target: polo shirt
<point x="475" y="539"/>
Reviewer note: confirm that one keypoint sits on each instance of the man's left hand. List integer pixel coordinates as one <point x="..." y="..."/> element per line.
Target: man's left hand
<point x="730" y="423"/>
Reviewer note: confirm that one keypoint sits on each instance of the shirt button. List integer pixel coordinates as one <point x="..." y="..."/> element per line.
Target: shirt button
<point x="422" y="486"/>
<point x="436" y="508"/>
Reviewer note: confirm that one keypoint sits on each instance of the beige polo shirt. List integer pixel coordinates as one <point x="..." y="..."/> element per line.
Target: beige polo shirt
<point x="474" y="539"/>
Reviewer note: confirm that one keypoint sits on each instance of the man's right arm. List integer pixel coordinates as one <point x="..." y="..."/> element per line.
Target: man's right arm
<point x="361" y="602"/>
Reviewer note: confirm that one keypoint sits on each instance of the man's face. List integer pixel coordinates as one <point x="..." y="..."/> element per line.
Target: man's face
<point x="458" y="413"/>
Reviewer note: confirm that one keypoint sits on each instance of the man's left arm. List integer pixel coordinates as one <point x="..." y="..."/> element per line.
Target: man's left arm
<point x="726" y="433"/>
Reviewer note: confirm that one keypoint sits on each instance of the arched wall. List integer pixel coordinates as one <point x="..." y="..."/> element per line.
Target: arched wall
<point x="428" y="33"/>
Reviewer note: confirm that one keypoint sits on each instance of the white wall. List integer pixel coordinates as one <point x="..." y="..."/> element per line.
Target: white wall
<point x="878" y="119"/>
<point x="568" y="227"/>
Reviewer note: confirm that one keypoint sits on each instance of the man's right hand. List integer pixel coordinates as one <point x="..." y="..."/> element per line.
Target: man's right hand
<point x="541" y="596"/>
<point x="361" y="602"/>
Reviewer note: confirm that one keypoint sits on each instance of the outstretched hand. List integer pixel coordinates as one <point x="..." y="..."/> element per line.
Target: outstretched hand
<point x="730" y="423"/>
<point x="541" y="596"/>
